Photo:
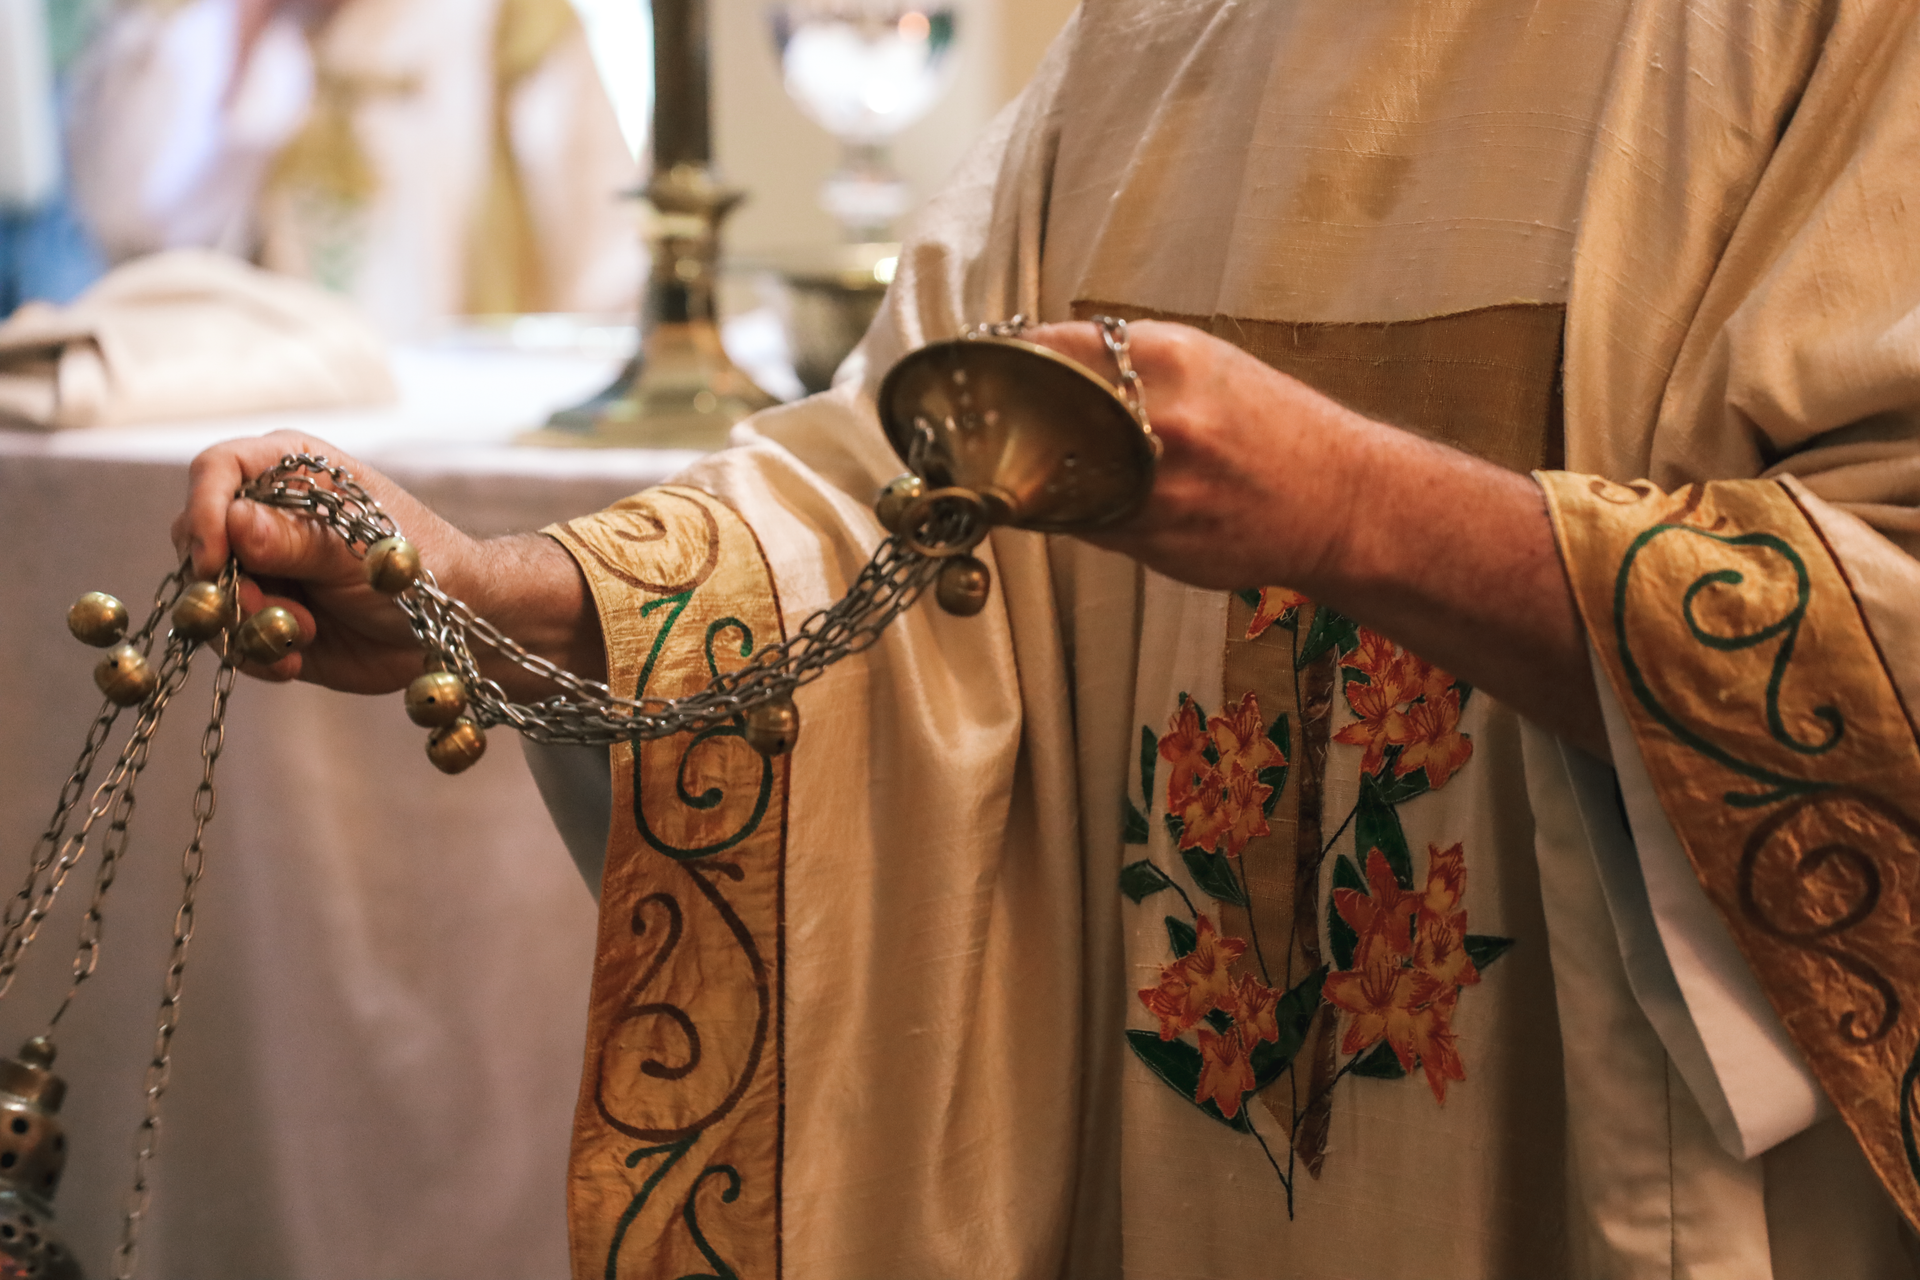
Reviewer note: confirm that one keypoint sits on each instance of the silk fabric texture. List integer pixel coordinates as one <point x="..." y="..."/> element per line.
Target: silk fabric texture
<point x="1694" y="185"/>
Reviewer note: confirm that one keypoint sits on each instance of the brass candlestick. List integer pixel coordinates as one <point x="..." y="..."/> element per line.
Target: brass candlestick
<point x="680" y="391"/>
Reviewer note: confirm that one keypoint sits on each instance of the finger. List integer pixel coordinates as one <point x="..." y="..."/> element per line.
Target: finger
<point x="275" y="543"/>
<point x="215" y="476"/>
<point x="1079" y="341"/>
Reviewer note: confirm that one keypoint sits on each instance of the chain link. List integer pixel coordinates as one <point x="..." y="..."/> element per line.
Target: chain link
<point x="588" y="712"/>
<point x="160" y="1067"/>
<point x="29" y="905"/>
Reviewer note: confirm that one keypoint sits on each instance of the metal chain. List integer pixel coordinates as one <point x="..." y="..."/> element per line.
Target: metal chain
<point x="106" y="798"/>
<point x="160" y="1068"/>
<point x="1113" y="332"/>
<point x="19" y="908"/>
<point x="87" y="958"/>
<point x="592" y="714"/>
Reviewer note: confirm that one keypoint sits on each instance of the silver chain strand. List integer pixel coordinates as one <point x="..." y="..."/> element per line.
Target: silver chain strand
<point x="592" y="714"/>
<point x="1113" y="332"/>
<point x="21" y="908"/>
<point x="160" y="1068"/>
<point x="87" y="957"/>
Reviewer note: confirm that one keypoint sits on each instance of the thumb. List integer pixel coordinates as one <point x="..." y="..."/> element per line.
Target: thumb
<point x="282" y="544"/>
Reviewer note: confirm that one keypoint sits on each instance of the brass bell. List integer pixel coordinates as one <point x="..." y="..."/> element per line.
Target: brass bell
<point x="898" y="494"/>
<point x="963" y="586"/>
<point x="393" y="565"/>
<point x="96" y="618"/>
<point x="436" y="698"/>
<point x="125" y="676"/>
<point x="268" y="635"/>
<point x="773" y="727"/>
<point x="33" y="1153"/>
<point x="457" y="747"/>
<point x="202" y="612"/>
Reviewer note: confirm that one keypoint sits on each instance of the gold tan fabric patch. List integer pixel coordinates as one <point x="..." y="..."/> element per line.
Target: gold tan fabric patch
<point x="676" y="1159"/>
<point x="1784" y="759"/>
<point x="1486" y="381"/>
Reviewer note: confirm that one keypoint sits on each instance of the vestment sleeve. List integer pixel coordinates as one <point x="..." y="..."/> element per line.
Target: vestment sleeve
<point x="1754" y="607"/>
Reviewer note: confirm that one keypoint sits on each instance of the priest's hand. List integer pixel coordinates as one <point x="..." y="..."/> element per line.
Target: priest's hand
<point x="352" y="637"/>
<point x="1265" y="482"/>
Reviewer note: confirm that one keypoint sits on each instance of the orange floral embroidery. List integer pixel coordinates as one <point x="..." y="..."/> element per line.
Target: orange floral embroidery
<point x="1196" y="984"/>
<point x="1226" y="1071"/>
<point x="1378" y="723"/>
<point x="1226" y="1060"/>
<point x="1274" y="603"/>
<point x="1405" y="985"/>
<point x="1241" y="739"/>
<point x="1222" y="799"/>
<point x="1406" y="702"/>
<point x="1382" y="916"/>
<point x="1429" y="738"/>
<point x="1184" y="747"/>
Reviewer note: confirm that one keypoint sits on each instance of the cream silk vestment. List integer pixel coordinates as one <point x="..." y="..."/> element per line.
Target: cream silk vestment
<point x="1134" y="929"/>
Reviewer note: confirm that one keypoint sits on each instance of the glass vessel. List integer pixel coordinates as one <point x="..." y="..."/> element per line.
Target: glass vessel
<point x="864" y="70"/>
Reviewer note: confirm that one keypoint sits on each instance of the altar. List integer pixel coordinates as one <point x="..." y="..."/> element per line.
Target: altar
<point x="385" y="997"/>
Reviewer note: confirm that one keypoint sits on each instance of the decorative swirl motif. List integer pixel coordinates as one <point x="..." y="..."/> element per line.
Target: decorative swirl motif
<point x="763" y="996"/>
<point x="659" y="534"/>
<point x="711" y="797"/>
<point x="1786" y="630"/>
<point x="721" y="1271"/>
<point x="1843" y="875"/>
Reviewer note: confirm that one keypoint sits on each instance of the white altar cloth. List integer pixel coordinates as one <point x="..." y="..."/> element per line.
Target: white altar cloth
<point x="385" y="999"/>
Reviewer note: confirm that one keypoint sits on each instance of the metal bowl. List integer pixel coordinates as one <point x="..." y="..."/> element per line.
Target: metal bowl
<point x="1044" y="440"/>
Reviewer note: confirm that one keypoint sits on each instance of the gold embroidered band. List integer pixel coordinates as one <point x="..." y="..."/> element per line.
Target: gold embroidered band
<point x="676" y="1157"/>
<point x="1784" y="759"/>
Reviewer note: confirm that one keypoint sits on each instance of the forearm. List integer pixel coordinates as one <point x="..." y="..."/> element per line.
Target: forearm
<point x="528" y="586"/>
<point x="1455" y="558"/>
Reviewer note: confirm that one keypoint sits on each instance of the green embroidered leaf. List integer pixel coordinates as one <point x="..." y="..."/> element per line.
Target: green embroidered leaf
<point x="1219" y="1021"/>
<point x="1133" y="823"/>
<point x="1330" y="630"/>
<point x="1214" y="874"/>
<point x="1140" y="880"/>
<point x="1339" y="933"/>
<point x="1280" y="734"/>
<point x="1174" y="827"/>
<point x="1381" y="1063"/>
<point x="1251" y="597"/>
<point x="1377" y="826"/>
<point x="1149" y="759"/>
<point x="1178" y="1063"/>
<point x="1484" y="948"/>
<point x="1275" y="779"/>
<point x="1294" y="1014"/>
<point x="1401" y="790"/>
<point x="1181" y="936"/>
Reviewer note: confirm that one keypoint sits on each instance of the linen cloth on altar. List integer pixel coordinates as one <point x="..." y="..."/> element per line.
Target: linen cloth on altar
<point x="972" y="1083"/>
<point x="184" y="334"/>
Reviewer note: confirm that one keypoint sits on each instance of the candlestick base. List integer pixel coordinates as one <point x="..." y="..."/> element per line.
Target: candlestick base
<point x="681" y="391"/>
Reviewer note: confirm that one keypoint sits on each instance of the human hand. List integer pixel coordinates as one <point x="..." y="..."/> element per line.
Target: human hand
<point x="352" y="637"/>
<point x="1252" y="486"/>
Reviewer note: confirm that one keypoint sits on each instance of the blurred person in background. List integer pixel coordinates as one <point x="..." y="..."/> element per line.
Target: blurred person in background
<point x="425" y="158"/>
<point x="44" y="251"/>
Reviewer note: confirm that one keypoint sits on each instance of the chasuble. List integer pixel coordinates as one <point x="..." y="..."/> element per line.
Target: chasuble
<point x="1135" y="929"/>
